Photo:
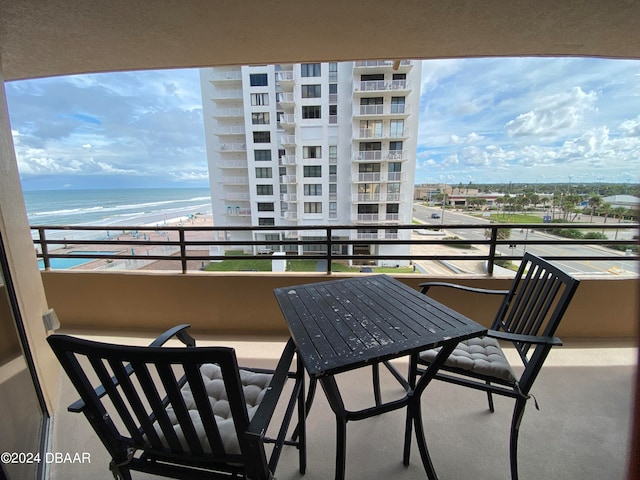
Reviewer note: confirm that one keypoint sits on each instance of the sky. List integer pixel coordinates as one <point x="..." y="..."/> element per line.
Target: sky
<point x="485" y="120"/>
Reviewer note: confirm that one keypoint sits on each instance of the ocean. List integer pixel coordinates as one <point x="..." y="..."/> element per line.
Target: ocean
<point x="131" y="207"/>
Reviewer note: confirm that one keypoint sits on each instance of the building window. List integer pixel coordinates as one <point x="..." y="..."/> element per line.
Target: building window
<point x="311" y="152"/>
<point x="395" y="167"/>
<point x="265" y="207"/>
<point x="371" y="128"/>
<point x="365" y="208"/>
<point x="333" y="88"/>
<point x="266" y="221"/>
<point x="260" y="118"/>
<point x="369" y="167"/>
<point x="311" y="91"/>
<point x="312" y="171"/>
<point x="263" y="172"/>
<point x="368" y="188"/>
<point x="397" y="104"/>
<point x="333" y="72"/>
<point x="313" y="189"/>
<point x="395" y="146"/>
<point x="312" y="207"/>
<point x="396" y="128"/>
<point x="262" y="155"/>
<point x="258" y="80"/>
<point x="333" y="114"/>
<point x="259" y="99"/>
<point x="264" y="189"/>
<point x="311" y="111"/>
<point x="371" y="101"/>
<point x="333" y="152"/>
<point x="310" y="70"/>
<point x="393" y="208"/>
<point x="261" y="137"/>
<point x="393" y="188"/>
<point x="333" y="188"/>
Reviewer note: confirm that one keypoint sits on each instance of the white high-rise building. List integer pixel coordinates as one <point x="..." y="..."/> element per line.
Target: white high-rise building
<point x="314" y="144"/>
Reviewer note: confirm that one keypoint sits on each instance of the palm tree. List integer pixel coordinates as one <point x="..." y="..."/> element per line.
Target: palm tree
<point x="594" y="203"/>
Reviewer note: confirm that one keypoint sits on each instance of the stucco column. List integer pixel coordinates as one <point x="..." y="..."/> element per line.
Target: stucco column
<point x="23" y="266"/>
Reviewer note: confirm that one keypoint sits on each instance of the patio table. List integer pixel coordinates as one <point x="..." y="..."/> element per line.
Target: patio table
<point x="344" y="324"/>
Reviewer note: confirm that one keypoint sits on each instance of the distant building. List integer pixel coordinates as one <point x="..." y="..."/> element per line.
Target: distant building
<point x="313" y="144"/>
<point x="625" y="201"/>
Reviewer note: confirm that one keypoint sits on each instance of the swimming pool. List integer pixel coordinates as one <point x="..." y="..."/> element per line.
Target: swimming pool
<point x="66" y="263"/>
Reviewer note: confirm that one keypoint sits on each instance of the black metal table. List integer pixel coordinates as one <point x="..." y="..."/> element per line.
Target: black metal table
<point x="344" y="324"/>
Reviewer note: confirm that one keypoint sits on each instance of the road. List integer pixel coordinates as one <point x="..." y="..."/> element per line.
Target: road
<point x="423" y="214"/>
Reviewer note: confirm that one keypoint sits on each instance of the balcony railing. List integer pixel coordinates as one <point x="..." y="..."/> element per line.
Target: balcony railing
<point x="53" y="242"/>
<point x="379" y="155"/>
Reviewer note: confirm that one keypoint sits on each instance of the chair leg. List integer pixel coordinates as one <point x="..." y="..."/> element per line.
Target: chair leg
<point x="518" y="412"/>
<point x="490" y="398"/>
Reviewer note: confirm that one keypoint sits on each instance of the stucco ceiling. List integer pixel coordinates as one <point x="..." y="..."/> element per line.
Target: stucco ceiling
<point x="55" y="37"/>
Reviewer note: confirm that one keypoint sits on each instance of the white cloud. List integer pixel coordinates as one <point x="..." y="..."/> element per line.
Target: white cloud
<point x="554" y="114"/>
<point x="631" y="128"/>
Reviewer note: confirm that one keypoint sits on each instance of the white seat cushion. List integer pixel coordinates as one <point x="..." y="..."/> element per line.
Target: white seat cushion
<point x="481" y="355"/>
<point x="254" y="386"/>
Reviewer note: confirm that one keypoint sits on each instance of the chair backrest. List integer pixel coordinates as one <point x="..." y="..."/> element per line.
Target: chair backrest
<point x="535" y="304"/>
<point x="156" y="399"/>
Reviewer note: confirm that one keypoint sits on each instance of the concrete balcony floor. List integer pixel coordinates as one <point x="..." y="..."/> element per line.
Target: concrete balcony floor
<point x="581" y="430"/>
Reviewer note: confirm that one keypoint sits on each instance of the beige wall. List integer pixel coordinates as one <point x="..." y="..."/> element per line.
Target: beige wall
<point x="23" y="266"/>
<point x="238" y="304"/>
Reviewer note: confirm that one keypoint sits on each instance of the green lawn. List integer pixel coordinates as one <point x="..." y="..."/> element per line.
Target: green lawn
<point x="260" y="265"/>
<point x="515" y="218"/>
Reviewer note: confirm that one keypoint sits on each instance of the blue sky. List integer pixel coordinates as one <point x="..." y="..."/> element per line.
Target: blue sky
<point x="483" y="120"/>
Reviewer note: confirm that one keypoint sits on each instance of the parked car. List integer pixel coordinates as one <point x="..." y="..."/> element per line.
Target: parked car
<point x="435" y="215"/>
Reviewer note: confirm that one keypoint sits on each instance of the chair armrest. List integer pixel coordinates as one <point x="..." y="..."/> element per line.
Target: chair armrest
<point x="178" y="331"/>
<point x="425" y="287"/>
<point x="260" y="421"/>
<point x="532" y="339"/>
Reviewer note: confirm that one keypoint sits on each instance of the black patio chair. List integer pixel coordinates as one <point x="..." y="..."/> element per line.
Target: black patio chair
<point x="528" y="317"/>
<point x="182" y="412"/>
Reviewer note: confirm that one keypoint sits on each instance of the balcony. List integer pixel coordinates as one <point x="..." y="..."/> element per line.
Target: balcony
<point x="231" y="180"/>
<point x="288" y="121"/>
<point x="381" y="86"/>
<point x="238" y="197"/>
<point x="380" y="155"/>
<point x="230" y="130"/>
<point x="585" y="387"/>
<point x="288" y="140"/>
<point x="379" y="66"/>
<point x="580" y="432"/>
<point x="228" y="113"/>
<point x="225" y="76"/>
<point x="287" y="160"/>
<point x="227" y="95"/>
<point x="286" y="79"/>
<point x="232" y="147"/>
<point x="231" y="164"/>
<point x="388" y="110"/>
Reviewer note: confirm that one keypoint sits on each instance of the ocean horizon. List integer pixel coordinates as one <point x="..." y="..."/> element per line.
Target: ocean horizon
<point x="105" y="207"/>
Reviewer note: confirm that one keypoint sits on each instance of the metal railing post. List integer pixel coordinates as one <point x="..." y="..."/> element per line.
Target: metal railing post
<point x="183" y="250"/>
<point x="492" y="250"/>
<point x="329" y="249"/>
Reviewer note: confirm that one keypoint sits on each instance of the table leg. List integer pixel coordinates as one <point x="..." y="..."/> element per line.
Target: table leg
<point x="334" y="398"/>
<point x="414" y="410"/>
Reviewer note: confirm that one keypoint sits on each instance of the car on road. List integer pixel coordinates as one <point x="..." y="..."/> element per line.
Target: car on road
<point x="435" y="215"/>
